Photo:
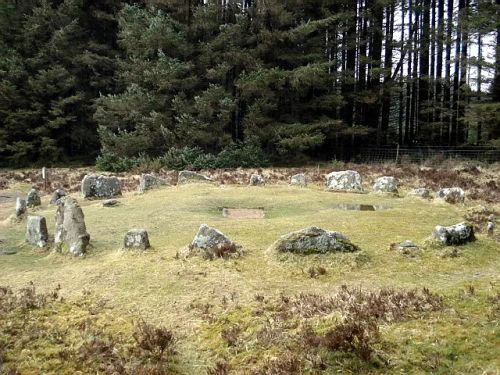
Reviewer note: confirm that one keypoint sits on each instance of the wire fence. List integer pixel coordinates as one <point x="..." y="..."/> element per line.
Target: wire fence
<point x="423" y="154"/>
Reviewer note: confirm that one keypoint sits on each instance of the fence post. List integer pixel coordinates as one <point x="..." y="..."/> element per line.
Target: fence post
<point x="397" y="154"/>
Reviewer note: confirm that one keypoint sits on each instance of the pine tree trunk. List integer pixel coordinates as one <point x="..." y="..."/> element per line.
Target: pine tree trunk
<point x="456" y="77"/>
<point x="439" y="69"/>
<point x="447" y="92"/>
<point x="386" y="105"/>
<point x="373" y="110"/>
<point x="350" y="64"/>
<point x="401" y="75"/>
<point x="409" y="82"/>
<point x="423" y="85"/>
<point x="496" y="81"/>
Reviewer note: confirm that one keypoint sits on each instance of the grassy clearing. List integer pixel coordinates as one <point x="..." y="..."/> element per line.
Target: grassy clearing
<point x="203" y="301"/>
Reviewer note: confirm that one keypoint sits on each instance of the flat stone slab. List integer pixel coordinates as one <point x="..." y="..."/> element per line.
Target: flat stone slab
<point x="314" y="240"/>
<point x="110" y="202"/>
<point x="243" y="213"/>
<point x="257" y="180"/>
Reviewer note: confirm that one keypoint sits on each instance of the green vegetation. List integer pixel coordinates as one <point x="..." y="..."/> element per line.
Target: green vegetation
<point x="375" y="311"/>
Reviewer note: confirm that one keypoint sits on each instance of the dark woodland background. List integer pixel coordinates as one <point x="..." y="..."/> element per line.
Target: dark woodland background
<point x="240" y="83"/>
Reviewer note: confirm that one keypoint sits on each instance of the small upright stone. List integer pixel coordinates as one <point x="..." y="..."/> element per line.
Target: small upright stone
<point x="100" y="186"/>
<point x="150" y="181"/>
<point x="211" y="243"/>
<point x="56" y="195"/>
<point x="136" y="239"/>
<point x="490" y="228"/>
<point x="70" y="227"/>
<point x="20" y="207"/>
<point x="257" y="180"/>
<point x="386" y="184"/>
<point x="454" y="235"/>
<point x="349" y="181"/>
<point x="452" y="195"/>
<point x="36" y="231"/>
<point x="186" y="177"/>
<point x="298" y="180"/>
<point x="33" y="198"/>
<point x="421" y="193"/>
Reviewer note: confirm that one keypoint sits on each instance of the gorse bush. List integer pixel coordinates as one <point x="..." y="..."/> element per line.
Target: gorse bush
<point x="245" y="154"/>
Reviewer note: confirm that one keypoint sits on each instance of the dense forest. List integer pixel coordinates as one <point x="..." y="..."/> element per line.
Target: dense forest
<point x="245" y="80"/>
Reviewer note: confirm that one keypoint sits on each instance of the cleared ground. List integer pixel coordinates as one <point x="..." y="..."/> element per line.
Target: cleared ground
<point x="199" y="300"/>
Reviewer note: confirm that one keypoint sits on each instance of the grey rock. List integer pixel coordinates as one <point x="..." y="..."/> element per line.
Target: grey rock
<point x="70" y="227"/>
<point x="36" y="231"/>
<point x="490" y="228"/>
<point x="33" y="198"/>
<point x="20" y="207"/>
<point x="386" y="184"/>
<point x="100" y="186"/>
<point x="421" y="193"/>
<point x="56" y="195"/>
<point x="136" y="239"/>
<point x="298" y="180"/>
<point x="344" y="181"/>
<point x="257" y="180"/>
<point x="452" y="195"/>
<point x="315" y="240"/>
<point x="186" y="177"/>
<point x="454" y="235"/>
<point x="150" y="181"/>
<point x="110" y="202"/>
<point x="212" y="243"/>
<point x="408" y="248"/>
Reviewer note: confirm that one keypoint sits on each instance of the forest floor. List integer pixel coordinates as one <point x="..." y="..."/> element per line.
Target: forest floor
<point x="376" y="311"/>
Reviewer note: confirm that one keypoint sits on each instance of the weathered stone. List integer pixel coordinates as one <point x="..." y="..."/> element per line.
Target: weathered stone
<point x="211" y="243"/>
<point x="20" y="207"/>
<point x="100" y="186"/>
<point x="408" y="248"/>
<point x="315" y="240"/>
<point x="452" y="195"/>
<point x="36" y="231"/>
<point x="150" y="181"/>
<point x="421" y="193"/>
<point x="386" y="184"/>
<point x="33" y="198"/>
<point x="454" y="235"/>
<point x="70" y="227"/>
<point x="298" y="180"/>
<point x="186" y="177"/>
<point x="490" y="228"/>
<point x="344" y="181"/>
<point x="257" y="180"/>
<point x="136" y="239"/>
<point x="110" y="202"/>
<point x="56" y="195"/>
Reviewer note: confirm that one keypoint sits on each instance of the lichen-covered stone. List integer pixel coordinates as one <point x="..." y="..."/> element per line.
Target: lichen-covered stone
<point x="212" y="243"/>
<point x="421" y="193"/>
<point x="454" y="235"/>
<point x="110" y="202"/>
<point x="386" y="184"/>
<point x="36" y="231"/>
<point x="452" y="195"/>
<point x="408" y="248"/>
<point x="70" y="227"/>
<point x="150" y="181"/>
<point x="315" y="240"/>
<point x="298" y="180"/>
<point x="136" y="239"/>
<point x="20" y="207"/>
<point x="257" y="180"/>
<point x="186" y="177"/>
<point x="56" y="195"/>
<point x="33" y="198"/>
<point x="349" y="181"/>
<point x="94" y="186"/>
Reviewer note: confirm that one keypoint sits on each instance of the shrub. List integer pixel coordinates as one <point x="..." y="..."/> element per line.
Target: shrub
<point x="156" y="341"/>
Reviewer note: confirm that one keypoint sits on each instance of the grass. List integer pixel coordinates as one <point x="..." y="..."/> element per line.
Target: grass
<point x="202" y="301"/>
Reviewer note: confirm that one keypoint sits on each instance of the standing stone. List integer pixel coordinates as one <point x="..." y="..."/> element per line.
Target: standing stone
<point x="36" y="231"/>
<point x="70" y="227"/>
<point x="344" y="181"/>
<point x="314" y="240"/>
<point x="20" y="207"/>
<point x="186" y="177"/>
<point x="421" y="193"/>
<point x="298" y="180"/>
<point x="33" y="198"/>
<point x="386" y="184"/>
<point x="212" y="243"/>
<point x="136" y="239"/>
<point x="101" y="186"/>
<point x="257" y="180"/>
<point x="454" y="235"/>
<point x="150" y="181"/>
<point x="452" y="195"/>
<point x="56" y="195"/>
